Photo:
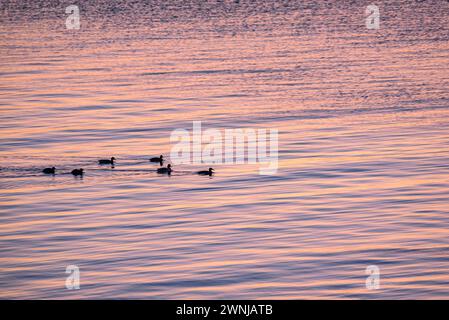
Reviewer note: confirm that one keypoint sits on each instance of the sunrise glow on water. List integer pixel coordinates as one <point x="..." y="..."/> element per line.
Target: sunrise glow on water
<point x="363" y="150"/>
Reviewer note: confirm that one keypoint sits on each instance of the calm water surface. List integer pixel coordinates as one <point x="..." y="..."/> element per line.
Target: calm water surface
<point x="363" y="118"/>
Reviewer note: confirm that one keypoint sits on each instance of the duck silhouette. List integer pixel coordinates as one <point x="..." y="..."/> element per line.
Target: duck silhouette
<point x="78" y="172"/>
<point x="206" y="172"/>
<point x="159" y="159"/>
<point x="49" y="170"/>
<point x="167" y="170"/>
<point x="106" y="161"/>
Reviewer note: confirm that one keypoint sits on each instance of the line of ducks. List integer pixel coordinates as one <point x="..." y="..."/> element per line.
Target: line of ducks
<point x="167" y="170"/>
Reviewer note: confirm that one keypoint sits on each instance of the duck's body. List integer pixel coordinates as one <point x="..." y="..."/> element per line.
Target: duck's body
<point x="159" y="159"/>
<point x="106" y="161"/>
<point x="206" y="172"/>
<point x="49" y="170"/>
<point x="167" y="170"/>
<point x="78" y="172"/>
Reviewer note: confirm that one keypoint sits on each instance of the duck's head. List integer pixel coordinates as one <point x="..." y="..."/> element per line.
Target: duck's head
<point x="112" y="159"/>
<point x="161" y="156"/>
<point x="81" y="170"/>
<point x="169" y="166"/>
<point x="211" y="170"/>
<point x="53" y="168"/>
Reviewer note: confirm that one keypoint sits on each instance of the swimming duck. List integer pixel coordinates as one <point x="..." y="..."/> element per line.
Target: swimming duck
<point x="157" y="159"/>
<point x="78" y="172"/>
<point x="206" y="172"/>
<point x="106" y="161"/>
<point x="165" y="170"/>
<point x="49" y="170"/>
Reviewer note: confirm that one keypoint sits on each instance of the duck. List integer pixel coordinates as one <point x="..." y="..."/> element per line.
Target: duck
<point x="49" y="170"/>
<point x="165" y="170"/>
<point x="106" y="161"/>
<point x="157" y="159"/>
<point x="78" y="172"/>
<point x="206" y="172"/>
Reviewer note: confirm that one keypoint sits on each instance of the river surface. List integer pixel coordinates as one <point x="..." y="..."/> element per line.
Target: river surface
<point x="363" y="177"/>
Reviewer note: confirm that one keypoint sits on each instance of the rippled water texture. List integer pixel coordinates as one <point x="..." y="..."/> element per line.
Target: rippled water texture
<point x="363" y="149"/>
